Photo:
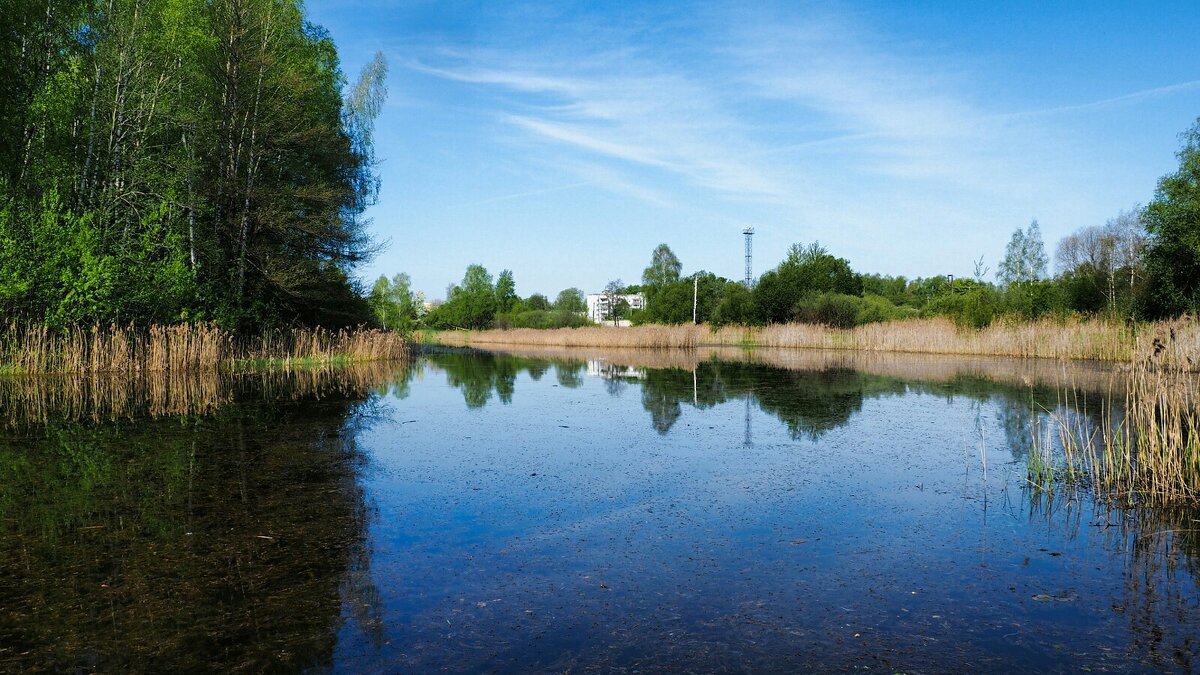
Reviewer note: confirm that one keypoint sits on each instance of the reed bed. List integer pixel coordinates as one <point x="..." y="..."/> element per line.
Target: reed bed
<point x="31" y="349"/>
<point x="1093" y="339"/>
<point x="637" y="337"/>
<point x="318" y="346"/>
<point x="1148" y="449"/>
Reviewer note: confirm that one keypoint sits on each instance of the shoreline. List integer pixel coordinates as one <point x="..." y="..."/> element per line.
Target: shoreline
<point x="1175" y="343"/>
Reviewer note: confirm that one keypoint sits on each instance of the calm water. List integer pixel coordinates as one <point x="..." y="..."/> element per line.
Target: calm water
<point x="575" y="512"/>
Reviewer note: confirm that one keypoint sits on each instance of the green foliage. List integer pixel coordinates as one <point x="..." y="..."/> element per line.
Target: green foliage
<point x="664" y="268"/>
<point x="830" y="309"/>
<point x="1173" y="223"/>
<point x="166" y="160"/>
<point x="807" y="271"/>
<point x="671" y="302"/>
<point x="1034" y="300"/>
<point x="736" y="306"/>
<point x="537" y="302"/>
<point x="393" y="303"/>
<point x="541" y="318"/>
<point x="969" y="304"/>
<point x="571" y="300"/>
<point x="470" y="305"/>
<point x="506" y="292"/>
<point x="1025" y="258"/>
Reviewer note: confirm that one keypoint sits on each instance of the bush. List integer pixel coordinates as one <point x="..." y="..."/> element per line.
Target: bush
<point x="540" y="318"/>
<point x="976" y="307"/>
<point x="830" y="309"/>
<point x="1035" y="299"/>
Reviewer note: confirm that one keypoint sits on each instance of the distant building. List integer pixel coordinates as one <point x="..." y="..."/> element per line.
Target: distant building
<point x="598" y="309"/>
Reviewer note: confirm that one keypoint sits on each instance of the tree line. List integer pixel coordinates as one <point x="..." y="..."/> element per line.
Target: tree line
<point x="477" y="302"/>
<point x="1143" y="263"/>
<point x="181" y="160"/>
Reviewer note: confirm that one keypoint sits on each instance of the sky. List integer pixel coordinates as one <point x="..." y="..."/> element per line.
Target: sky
<point x="565" y="140"/>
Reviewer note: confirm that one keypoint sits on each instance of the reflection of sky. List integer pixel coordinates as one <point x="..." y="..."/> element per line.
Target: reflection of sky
<point x="564" y="526"/>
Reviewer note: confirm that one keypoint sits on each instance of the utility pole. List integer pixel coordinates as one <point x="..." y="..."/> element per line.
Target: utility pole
<point x="695" y="294"/>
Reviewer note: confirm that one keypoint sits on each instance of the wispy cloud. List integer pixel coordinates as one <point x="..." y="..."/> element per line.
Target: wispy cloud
<point x="811" y="117"/>
<point x="1126" y="99"/>
<point x="526" y="193"/>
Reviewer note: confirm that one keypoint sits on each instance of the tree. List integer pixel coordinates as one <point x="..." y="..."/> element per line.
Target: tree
<point x="166" y="160"/>
<point x="1173" y="224"/>
<point x="394" y="304"/>
<point x="735" y="307"/>
<point x="664" y="268"/>
<point x="506" y="291"/>
<point x="672" y="303"/>
<point x="537" y="302"/>
<point x="1099" y="266"/>
<point x="613" y="299"/>
<point x="1025" y="257"/>
<point x="471" y="304"/>
<point x="806" y="271"/>
<point x="570" y="300"/>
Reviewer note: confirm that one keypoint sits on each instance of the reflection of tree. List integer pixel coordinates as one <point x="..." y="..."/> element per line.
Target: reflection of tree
<point x="614" y="386"/>
<point x="664" y="410"/>
<point x="221" y="542"/>
<point x="479" y="374"/>
<point x="570" y="373"/>
<point x="537" y="369"/>
<point x="810" y="403"/>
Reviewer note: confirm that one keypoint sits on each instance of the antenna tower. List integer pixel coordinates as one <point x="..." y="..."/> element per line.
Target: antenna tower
<point x="749" y="232"/>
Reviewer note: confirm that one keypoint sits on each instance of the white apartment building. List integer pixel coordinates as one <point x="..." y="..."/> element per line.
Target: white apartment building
<point x="597" y="305"/>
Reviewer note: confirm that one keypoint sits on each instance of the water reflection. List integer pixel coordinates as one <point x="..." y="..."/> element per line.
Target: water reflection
<point x="652" y="511"/>
<point x="229" y="538"/>
<point x="811" y="393"/>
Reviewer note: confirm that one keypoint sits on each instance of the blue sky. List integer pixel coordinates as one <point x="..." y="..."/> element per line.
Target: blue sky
<point x="566" y="140"/>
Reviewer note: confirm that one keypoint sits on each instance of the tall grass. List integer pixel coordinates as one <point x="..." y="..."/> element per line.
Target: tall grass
<point x="184" y="348"/>
<point x="1147" y="450"/>
<point x="1092" y="339"/>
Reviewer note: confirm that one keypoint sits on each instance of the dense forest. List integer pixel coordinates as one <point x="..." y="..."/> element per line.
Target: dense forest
<point x="181" y="160"/>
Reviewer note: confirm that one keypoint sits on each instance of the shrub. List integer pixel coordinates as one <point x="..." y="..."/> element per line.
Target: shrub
<point x="829" y="309"/>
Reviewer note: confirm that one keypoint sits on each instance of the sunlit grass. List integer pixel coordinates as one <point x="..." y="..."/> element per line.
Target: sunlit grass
<point x="186" y="348"/>
<point x="1092" y="339"/>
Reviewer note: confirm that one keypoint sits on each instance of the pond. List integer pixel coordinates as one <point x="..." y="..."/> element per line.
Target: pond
<point x="578" y="510"/>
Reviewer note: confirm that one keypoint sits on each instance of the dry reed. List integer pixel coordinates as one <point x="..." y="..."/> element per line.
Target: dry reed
<point x="1150" y="449"/>
<point x="1093" y="339"/>
<point x="933" y="368"/>
<point x="184" y="348"/>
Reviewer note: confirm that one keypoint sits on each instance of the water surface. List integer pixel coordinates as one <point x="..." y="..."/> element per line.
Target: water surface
<point x="576" y="511"/>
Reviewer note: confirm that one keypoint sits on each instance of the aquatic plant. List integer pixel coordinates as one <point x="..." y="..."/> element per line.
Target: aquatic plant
<point x="1147" y="449"/>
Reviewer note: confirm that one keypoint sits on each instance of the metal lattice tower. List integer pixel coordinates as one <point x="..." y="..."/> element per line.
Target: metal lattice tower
<point x="749" y="232"/>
